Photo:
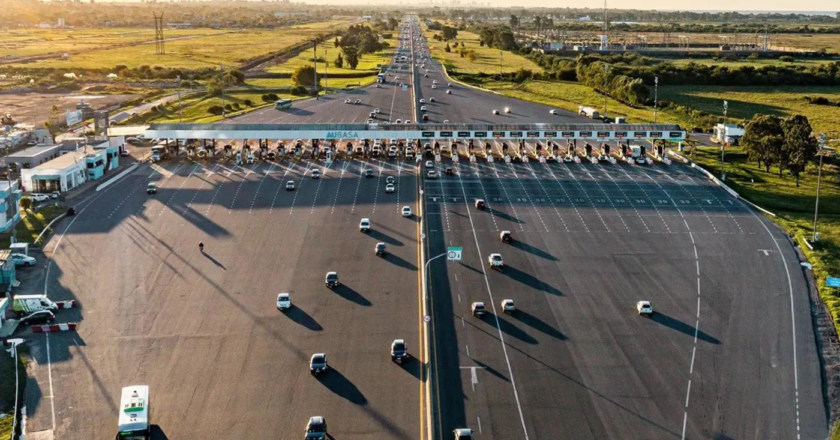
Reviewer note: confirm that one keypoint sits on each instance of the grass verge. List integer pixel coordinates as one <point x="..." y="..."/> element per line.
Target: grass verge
<point x="33" y="222"/>
<point x="7" y="388"/>
<point x="327" y="51"/>
<point x="487" y="59"/>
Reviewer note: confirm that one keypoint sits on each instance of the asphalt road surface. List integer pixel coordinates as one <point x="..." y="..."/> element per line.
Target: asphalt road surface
<point x="576" y="361"/>
<point x="202" y="329"/>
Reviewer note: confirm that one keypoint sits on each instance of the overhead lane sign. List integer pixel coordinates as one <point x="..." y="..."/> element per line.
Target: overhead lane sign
<point x="453" y="253"/>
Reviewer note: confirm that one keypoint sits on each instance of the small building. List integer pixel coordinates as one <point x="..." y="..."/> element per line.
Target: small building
<point x="8" y="276"/>
<point x="33" y="156"/>
<point x="729" y="134"/>
<point x="10" y="195"/>
<point x="71" y="169"/>
<point x="181" y="25"/>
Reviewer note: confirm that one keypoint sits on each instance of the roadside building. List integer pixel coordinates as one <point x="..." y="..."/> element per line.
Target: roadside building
<point x="71" y="169"/>
<point x="33" y="156"/>
<point x="729" y="134"/>
<point x="10" y="195"/>
<point x="8" y="276"/>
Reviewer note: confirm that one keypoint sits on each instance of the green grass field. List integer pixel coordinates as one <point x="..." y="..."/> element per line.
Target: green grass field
<point x="331" y="83"/>
<point x="744" y="102"/>
<point x="794" y="207"/>
<point x="327" y="51"/>
<point x="487" y="59"/>
<point x="194" y="109"/>
<point x="231" y="47"/>
<point x="761" y="62"/>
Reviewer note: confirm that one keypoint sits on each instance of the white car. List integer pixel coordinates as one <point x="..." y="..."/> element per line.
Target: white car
<point x="449" y="92"/>
<point x="430" y="164"/>
<point x="553" y="112"/>
<point x="434" y="81"/>
<point x="40" y="197"/>
<point x="284" y="301"/>
<point x="495" y="260"/>
<point x="448" y="84"/>
<point x="370" y="121"/>
<point x="507" y="109"/>
<point x="446" y="121"/>
<point x="364" y="225"/>
<point x="434" y="86"/>
<point x="408" y="121"/>
<point x="376" y="110"/>
<point x="422" y="108"/>
<point x="422" y="101"/>
<point x="290" y="185"/>
<point x="358" y="101"/>
<point x="432" y="174"/>
<point x="389" y="188"/>
<point x="316" y="174"/>
<point x="406" y="211"/>
<point x="495" y="112"/>
<point x="432" y="99"/>
<point x="398" y="121"/>
<point x="508" y="306"/>
<point x="347" y="101"/>
<point x="22" y="260"/>
<point x="644" y="308"/>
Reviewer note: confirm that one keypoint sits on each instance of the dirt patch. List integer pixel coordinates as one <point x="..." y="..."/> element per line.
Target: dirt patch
<point x="36" y="108"/>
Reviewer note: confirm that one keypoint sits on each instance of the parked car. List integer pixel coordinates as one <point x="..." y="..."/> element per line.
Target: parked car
<point x="284" y="301"/>
<point x="39" y="317"/>
<point x="22" y="260"/>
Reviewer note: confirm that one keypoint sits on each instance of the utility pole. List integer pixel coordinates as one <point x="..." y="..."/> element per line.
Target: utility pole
<point x="723" y="141"/>
<point x="179" y="98"/>
<point x="819" y="179"/>
<point x="326" y="66"/>
<point x="224" y="101"/>
<point x="606" y="70"/>
<point x="501" y="53"/>
<point x="655" y="96"/>
<point x="315" y="65"/>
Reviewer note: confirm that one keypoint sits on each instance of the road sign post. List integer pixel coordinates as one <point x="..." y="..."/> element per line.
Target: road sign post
<point x="454" y="253"/>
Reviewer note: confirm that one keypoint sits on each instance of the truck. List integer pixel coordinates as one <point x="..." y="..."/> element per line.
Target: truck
<point x="588" y="112"/>
<point x="158" y="153"/>
<point x="32" y="303"/>
<point x="380" y="78"/>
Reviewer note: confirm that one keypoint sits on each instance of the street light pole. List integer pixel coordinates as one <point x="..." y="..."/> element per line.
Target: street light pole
<point x="819" y="178"/>
<point x="606" y="69"/>
<point x="500" y="70"/>
<point x="315" y="65"/>
<point x="179" y="98"/>
<point x="326" y="66"/>
<point x="224" y="101"/>
<point x="725" y="132"/>
<point x="655" y="97"/>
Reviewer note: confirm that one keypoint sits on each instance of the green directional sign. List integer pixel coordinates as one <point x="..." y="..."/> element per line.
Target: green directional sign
<point x="453" y="253"/>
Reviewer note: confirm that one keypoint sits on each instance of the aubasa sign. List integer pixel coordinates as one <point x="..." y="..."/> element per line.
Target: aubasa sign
<point x="342" y="135"/>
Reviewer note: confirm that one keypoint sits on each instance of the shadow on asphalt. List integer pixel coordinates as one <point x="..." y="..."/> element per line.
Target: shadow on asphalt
<point x="682" y="327"/>
<point x="387" y="239"/>
<point x="538" y="324"/>
<point x="510" y="329"/>
<point x="338" y="384"/>
<point x="399" y="262"/>
<point x="412" y="365"/>
<point x="156" y="433"/>
<point x="532" y="250"/>
<point x="351" y="295"/>
<point x="576" y="381"/>
<point x="467" y="266"/>
<point x="491" y="370"/>
<point x="503" y="215"/>
<point x="300" y="316"/>
<point x="529" y="280"/>
<point x="216" y="262"/>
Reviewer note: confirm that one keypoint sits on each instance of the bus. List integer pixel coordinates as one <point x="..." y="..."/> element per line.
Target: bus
<point x="134" y="413"/>
<point x="380" y="78"/>
<point x="283" y="104"/>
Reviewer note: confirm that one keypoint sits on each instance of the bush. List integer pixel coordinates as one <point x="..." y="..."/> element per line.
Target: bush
<point x="265" y="98"/>
<point x="786" y="59"/>
<point x="273" y="97"/>
<point x="228" y="107"/>
<point x="248" y="103"/>
<point x="215" y="110"/>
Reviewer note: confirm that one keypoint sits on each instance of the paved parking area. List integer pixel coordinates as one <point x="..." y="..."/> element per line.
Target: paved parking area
<point x="202" y="329"/>
<point x="576" y="361"/>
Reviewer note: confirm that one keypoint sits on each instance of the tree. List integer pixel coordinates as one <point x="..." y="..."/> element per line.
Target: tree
<point x="799" y="146"/>
<point x="26" y="203"/>
<point x="304" y="76"/>
<point x="393" y="23"/>
<point x="504" y="40"/>
<point x="538" y="22"/>
<point x="763" y="139"/>
<point x="449" y="33"/>
<point x="471" y="56"/>
<point x="339" y="61"/>
<point x="214" y="86"/>
<point x="351" y="56"/>
<point x="514" y="21"/>
<point x="447" y="48"/>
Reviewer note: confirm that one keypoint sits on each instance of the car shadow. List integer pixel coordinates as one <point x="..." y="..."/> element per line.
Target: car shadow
<point x="529" y="280"/>
<point x="156" y="433"/>
<point x="532" y="250"/>
<point x="511" y="330"/>
<point x="399" y="262"/>
<point x="491" y="370"/>
<point x="351" y="295"/>
<point x="467" y="266"/>
<point x="387" y="239"/>
<point x="503" y="215"/>
<point x="412" y="365"/>
<point x="682" y="327"/>
<point x="300" y="316"/>
<point x="538" y="324"/>
<point x="338" y="384"/>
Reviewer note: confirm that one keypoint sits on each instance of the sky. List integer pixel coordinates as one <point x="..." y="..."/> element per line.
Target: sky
<point x="665" y="5"/>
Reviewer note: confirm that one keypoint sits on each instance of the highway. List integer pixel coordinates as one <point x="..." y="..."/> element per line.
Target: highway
<point x="719" y="358"/>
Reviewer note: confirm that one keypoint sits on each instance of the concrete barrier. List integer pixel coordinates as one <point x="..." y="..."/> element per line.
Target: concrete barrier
<point x="54" y="328"/>
<point x="119" y="176"/>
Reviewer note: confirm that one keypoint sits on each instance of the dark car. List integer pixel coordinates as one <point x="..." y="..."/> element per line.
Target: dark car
<point x="505" y="236"/>
<point x="331" y="279"/>
<point x="380" y="249"/>
<point x="316" y="428"/>
<point x="479" y="204"/>
<point x="449" y="170"/>
<point x="318" y="364"/>
<point x="39" y="317"/>
<point x="368" y="173"/>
